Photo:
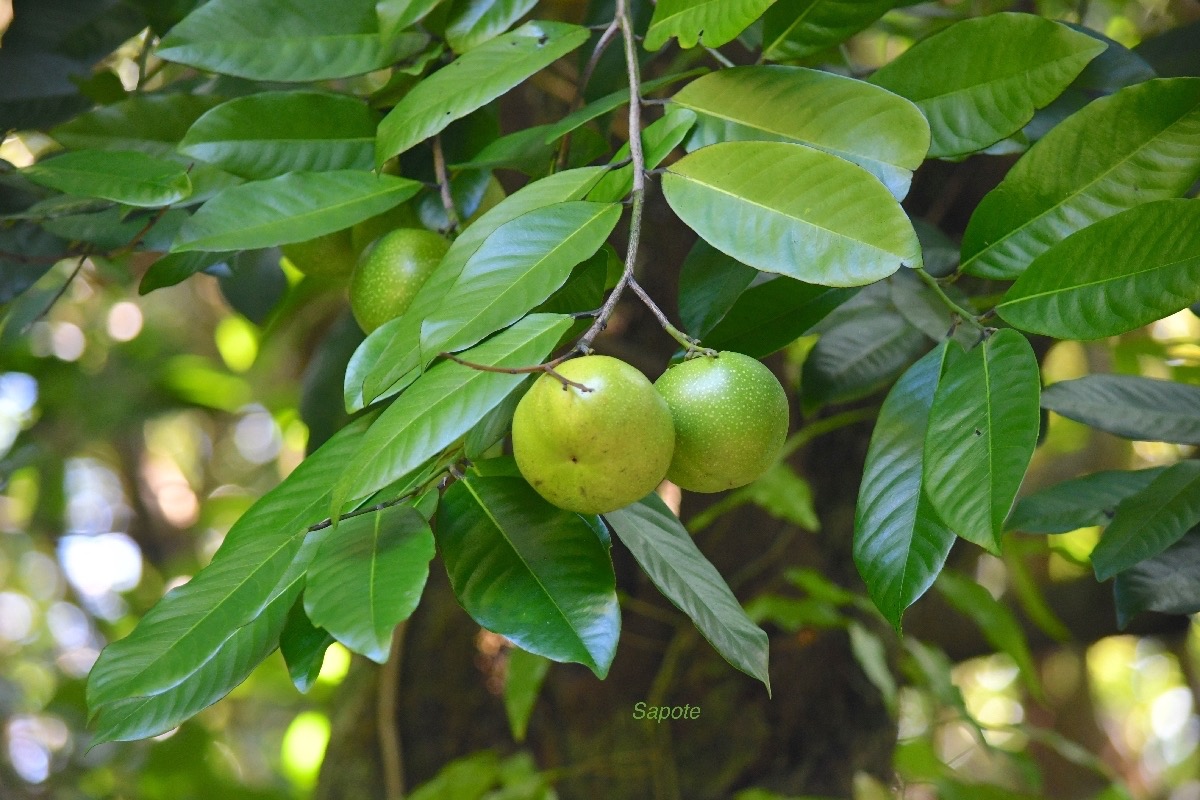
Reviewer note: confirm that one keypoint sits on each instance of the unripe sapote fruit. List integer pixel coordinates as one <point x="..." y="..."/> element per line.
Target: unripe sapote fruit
<point x="390" y="272"/>
<point x="332" y="255"/>
<point x="593" y="452"/>
<point x="731" y="419"/>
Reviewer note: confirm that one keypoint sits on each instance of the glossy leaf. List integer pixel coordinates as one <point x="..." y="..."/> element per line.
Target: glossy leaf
<point x="303" y="647"/>
<point x="523" y="677"/>
<point x="1166" y="583"/>
<point x="442" y="405"/>
<point x="479" y="21"/>
<point x="395" y="15"/>
<point x="881" y="132"/>
<point x="472" y="81"/>
<point x="152" y="124"/>
<point x="794" y="210"/>
<point x="267" y="134"/>
<point x="1133" y="407"/>
<point x="665" y="551"/>
<point x="795" y="29"/>
<point x="1112" y="277"/>
<point x="710" y="282"/>
<point x="302" y="40"/>
<point x="995" y="620"/>
<point x="1150" y="521"/>
<point x="123" y="176"/>
<point x="1133" y="147"/>
<point x="518" y="266"/>
<point x="291" y="208"/>
<point x="900" y="545"/>
<point x="771" y="315"/>
<point x="980" y="80"/>
<point x="983" y="428"/>
<point x="529" y="571"/>
<point x="708" y="22"/>
<point x="1080" y="502"/>
<point x="368" y="576"/>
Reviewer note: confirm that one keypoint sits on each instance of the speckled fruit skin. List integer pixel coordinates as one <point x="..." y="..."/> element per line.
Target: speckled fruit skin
<point x="731" y="419"/>
<point x="593" y="452"/>
<point x="390" y="272"/>
<point x="331" y="256"/>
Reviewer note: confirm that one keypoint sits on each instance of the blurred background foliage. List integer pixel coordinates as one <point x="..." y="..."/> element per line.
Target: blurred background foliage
<point x="135" y="429"/>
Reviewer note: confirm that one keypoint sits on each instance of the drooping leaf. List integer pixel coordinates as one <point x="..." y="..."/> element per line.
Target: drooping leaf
<point x="1167" y="583"/>
<point x="442" y="405"/>
<point x="472" y="81"/>
<point x="710" y="282"/>
<point x="123" y="176"/>
<point x="1116" y="275"/>
<point x="794" y="210"/>
<point x="708" y="22"/>
<point x="303" y="647"/>
<point x="1138" y="145"/>
<point x="665" y="550"/>
<point x="35" y="250"/>
<point x="1080" y="502"/>
<point x="302" y="40"/>
<point x="795" y="29"/>
<point x="293" y="207"/>
<point x="518" y="266"/>
<point x="900" y="545"/>
<point x="1149" y="522"/>
<point x="881" y="132"/>
<point x="368" y="576"/>
<point x="480" y="21"/>
<point x="529" y="571"/>
<point x="983" y="428"/>
<point x="523" y="679"/>
<point x="152" y="124"/>
<point x="980" y="80"/>
<point x="265" y="135"/>
<point x="1130" y="406"/>
<point x="771" y="315"/>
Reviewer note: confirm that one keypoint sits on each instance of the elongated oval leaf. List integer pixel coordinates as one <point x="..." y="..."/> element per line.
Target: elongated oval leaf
<point x="523" y="679"/>
<point x="265" y="135"/>
<point x="303" y="647"/>
<point x="291" y="208"/>
<point x="710" y="282"/>
<point x="794" y="210"/>
<point x="151" y="124"/>
<point x="1078" y="503"/>
<point x="1116" y="275"/>
<point x="368" y="576"/>
<point x="983" y="428"/>
<point x="529" y="571"/>
<point x="1167" y="583"/>
<point x="483" y="20"/>
<point x="665" y="550"/>
<point x="301" y="40"/>
<point x="900" y="545"/>
<point x="1150" y="521"/>
<point x="472" y="81"/>
<point x="1133" y="147"/>
<point x="881" y="132"/>
<point x="798" y="28"/>
<point x="442" y="405"/>
<point x="123" y="176"/>
<point x="1138" y="408"/>
<point x="980" y="80"/>
<point x="713" y="22"/>
<point x="770" y="316"/>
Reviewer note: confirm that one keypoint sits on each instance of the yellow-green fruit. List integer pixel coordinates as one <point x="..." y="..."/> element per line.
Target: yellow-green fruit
<point x="731" y="419"/>
<point x="332" y="255"/>
<point x="390" y="272"/>
<point x="597" y="451"/>
<point x="367" y="231"/>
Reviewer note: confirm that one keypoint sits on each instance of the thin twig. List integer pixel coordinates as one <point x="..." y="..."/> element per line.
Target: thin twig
<point x="965" y="315"/>
<point x="719" y="57"/>
<point x="57" y="295"/>
<point x="140" y="235"/>
<point x="585" y="77"/>
<point x="691" y="345"/>
<point x="547" y="368"/>
<point x="443" y="179"/>
<point x="387" y="725"/>
<point x="143" y="58"/>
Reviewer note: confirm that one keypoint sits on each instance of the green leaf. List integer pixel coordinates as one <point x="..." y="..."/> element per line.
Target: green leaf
<point x="151" y="124"/>
<point x="518" y="266"/>
<point x="794" y="29"/>
<point x="1138" y="145"/>
<point x="1114" y="276"/>
<point x="368" y="576"/>
<point x="442" y="405"/>
<point x="529" y="571"/>
<point x="472" y="81"/>
<point x="303" y="647"/>
<point x="18" y="244"/>
<point x="1143" y="409"/>
<point x="710" y="282"/>
<point x="879" y="131"/>
<point x="392" y="351"/>
<point x="291" y="208"/>
<point x="267" y="134"/>
<point x="395" y="15"/>
<point x="692" y="22"/>
<point x="1078" y="503"/>
<point x="522" y="683"/>
<point x="980" y="80"/>
<point x="467" y="778"/>
<point x="1149" y="522"/>
<point x="175" y="268"/>
<point x="983" y="428"/>
<point x="794" y="210"/>
<point x="658" y="140"/>
<point x="480" y="21"/>
<point x="1166" y="583"/>
<point x="900" y="545"/>
<point x="123" y="176"/>
<point x="297" y="41"/>
<point x="784" y="495"/>
<point x="771" y="315"/>
<point x="666" y="552"/>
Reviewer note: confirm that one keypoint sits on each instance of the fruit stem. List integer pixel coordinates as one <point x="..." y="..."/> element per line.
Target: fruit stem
<point x="692" y="346"/>
<point x="443" y="182"/>
<point x="547" y="368"/>
<point x="955" y="309"/>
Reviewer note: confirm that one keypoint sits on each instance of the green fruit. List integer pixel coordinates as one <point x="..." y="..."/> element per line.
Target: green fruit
<point x="593" y="452"/>
<point x="390" y="272"/>
<point x="332" y="255"/>
<point x="731" y="419"/>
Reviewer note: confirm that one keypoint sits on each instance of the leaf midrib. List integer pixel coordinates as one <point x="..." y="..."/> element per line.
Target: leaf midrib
<point x="1159" y="511"/>
<point x="1101" y="281"/>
